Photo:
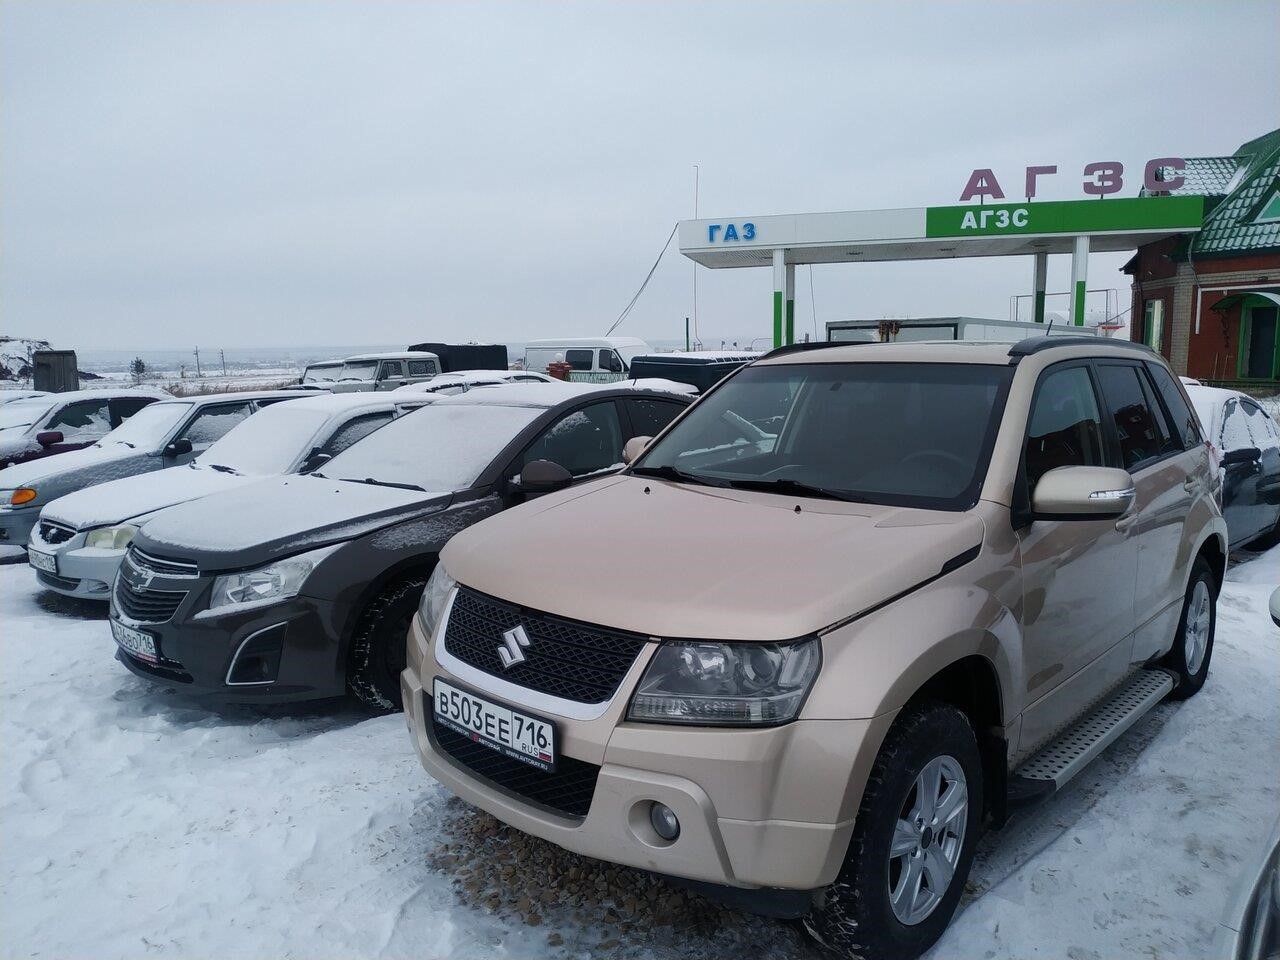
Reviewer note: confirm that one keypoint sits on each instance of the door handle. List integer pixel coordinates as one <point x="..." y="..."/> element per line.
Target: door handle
<point x="1190" y="484"/>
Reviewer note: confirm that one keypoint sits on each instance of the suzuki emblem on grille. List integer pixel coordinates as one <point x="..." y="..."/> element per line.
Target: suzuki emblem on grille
<point x="509" y="651"/>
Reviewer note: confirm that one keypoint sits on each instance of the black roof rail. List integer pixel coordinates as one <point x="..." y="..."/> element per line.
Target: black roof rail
<point x="1024" y="348"/>
<point x="811" y="345"/>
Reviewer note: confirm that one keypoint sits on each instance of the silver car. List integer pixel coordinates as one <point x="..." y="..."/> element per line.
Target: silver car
<point x="81" y="538"/>
<point x="163" y="434"/>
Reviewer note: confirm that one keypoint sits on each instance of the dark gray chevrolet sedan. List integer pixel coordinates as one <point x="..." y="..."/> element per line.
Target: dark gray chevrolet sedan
<point x="303" y="587"/>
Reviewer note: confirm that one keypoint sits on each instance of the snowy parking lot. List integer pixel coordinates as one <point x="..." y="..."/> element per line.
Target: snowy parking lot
<point x="138" y="823"/>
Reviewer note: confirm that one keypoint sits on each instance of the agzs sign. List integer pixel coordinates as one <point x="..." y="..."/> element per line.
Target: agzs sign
<point x="1101" y="179"/>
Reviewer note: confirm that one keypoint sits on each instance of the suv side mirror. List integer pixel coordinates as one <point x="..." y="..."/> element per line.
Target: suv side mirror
<point x="543" y="476"/>
<point x="1082" y="493"/>
<point x="178" y="448"/>
<point x="1241" y="455"/>
<point x="47" y="438"/>
<point x="634" y="447"/>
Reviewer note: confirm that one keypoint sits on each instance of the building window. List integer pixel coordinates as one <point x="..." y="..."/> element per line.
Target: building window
<point x="1153" y="324"/>
<point x="1258" y="342"/>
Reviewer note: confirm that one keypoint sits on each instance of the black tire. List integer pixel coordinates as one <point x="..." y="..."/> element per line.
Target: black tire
<point x="854" y="917"/>
<point x="377" y="654"/>
<point x="1190" y="681"/>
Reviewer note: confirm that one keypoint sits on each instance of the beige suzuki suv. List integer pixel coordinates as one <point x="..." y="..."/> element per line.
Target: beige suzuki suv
<point x="844" y="612"/>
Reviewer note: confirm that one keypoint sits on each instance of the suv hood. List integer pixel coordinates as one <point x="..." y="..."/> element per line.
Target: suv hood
<point x="672" y="560"/>
<point x="255" y="523"/>
<point x="119" y="500"/>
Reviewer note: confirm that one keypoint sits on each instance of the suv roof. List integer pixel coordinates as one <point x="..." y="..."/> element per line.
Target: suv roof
<point x="393" y="355"/>
<point x="949" y="351"/>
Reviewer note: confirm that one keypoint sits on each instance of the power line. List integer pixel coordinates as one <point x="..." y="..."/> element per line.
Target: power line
<point x="649" y="276"/>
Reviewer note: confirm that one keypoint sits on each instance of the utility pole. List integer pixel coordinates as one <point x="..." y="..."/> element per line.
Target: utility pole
<point x="222" y="355"/>
<point x="197" y="352"/>
<point x="697" y="172"/>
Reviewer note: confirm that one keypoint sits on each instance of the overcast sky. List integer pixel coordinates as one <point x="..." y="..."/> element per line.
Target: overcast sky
<point x="270" y="174"/>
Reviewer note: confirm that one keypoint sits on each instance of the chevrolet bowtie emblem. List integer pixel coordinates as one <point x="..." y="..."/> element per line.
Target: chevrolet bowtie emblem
<point x="510" y="651"/>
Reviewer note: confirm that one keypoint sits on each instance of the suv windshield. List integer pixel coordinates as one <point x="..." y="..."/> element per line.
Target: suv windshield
<point x="360" y="370"/>
<point x="321" y="373"/>
<point x="886" y="433"/>
<point x="439" y="448"/>
<point x="266" y="443"/>
<point x="146" y="428"/>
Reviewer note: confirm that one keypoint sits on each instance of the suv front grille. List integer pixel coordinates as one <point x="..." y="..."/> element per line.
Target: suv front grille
<point x="566" y="659"/>
<point x="568" y="790"/>
<point x="55" y="533"/>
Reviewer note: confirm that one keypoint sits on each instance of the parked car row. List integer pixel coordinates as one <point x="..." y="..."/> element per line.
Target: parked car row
<point x="796" y="643"/>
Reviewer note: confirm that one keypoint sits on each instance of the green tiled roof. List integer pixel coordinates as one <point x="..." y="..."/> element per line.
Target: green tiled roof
<point x="1233" y="225"/>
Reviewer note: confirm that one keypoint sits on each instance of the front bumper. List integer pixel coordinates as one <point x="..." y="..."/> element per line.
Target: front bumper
<point x="16" y="524"/>
<point x="198" y="651"/>
<point x="84" y="572"/>
<point x="760" y="808"/>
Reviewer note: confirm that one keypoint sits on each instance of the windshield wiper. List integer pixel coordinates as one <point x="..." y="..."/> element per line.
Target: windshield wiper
<point x="798" y="488"/>
<point x="668" y="472"/>
<point x="221" y="468"/>
<point x="384" y="483"/>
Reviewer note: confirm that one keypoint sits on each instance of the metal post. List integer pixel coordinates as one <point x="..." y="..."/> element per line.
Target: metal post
<point x="779" y="293"/>
<point x="686" y="333"/>
<point x="1041" y="278"/>
<point x="1079" y="276"/>
<point x="789" y="336"/>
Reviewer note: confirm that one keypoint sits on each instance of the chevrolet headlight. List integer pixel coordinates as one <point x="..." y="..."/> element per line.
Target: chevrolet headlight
<point x="434" y="597"/>
<point x="111" y="538"/>
<point x="276" y="581"/>
<point x="726" y="684"/>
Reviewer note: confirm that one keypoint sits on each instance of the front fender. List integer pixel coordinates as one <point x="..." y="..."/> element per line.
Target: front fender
<point x="875" y="664"/>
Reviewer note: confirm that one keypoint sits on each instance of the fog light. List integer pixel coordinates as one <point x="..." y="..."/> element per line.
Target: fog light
<point x="663" y="820"/>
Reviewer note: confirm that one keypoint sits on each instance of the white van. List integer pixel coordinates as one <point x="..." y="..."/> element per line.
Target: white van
<point x="591" y="359"/>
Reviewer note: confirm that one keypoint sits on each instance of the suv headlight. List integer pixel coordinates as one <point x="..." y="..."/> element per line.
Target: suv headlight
<point x="437" y="591"/>
<point x="111" y="538"/>
<point x="276" y="581"/>
<point x="726" y="684"/>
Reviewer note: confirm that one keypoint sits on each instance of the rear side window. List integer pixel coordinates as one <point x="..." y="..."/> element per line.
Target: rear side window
<point x="421" y="368"/>
<point x="579" y="359"/>
<point x="1184" y="421"/>
<point x="650" y="417"/>
<point x="1142" y="437"/>
<point x="353" y="430"/>
<point x="1065" y="429"/>
<point x="122" y="408"/>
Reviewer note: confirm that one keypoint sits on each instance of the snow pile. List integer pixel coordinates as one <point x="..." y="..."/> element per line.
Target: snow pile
<point x="139" y="823"/>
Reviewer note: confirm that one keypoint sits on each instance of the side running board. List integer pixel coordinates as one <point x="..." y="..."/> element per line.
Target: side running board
<point x="1050" y="767"/>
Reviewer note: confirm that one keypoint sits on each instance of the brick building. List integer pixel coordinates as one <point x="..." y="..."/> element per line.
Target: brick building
<point x="1210" y="302"/>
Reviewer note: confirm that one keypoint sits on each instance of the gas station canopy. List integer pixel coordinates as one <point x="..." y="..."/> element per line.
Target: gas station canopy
<point x="932" y="233"/>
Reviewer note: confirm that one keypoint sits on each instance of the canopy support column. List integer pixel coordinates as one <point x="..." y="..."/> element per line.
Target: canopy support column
<point x="1041" y="281"/>
<point x="789" y="336"/>
<point x="779" y="295"/>
<point x="1079" y="277"/>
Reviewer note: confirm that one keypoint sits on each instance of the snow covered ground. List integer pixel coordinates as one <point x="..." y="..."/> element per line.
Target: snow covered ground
<point x="135" y="823"/>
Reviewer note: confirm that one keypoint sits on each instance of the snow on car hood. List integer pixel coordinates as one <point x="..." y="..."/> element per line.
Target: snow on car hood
<point x="59" y="475"/>
<point x="119" y="500"/>
<point x="672" y="560"/>
<point x="257" y="522"/>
